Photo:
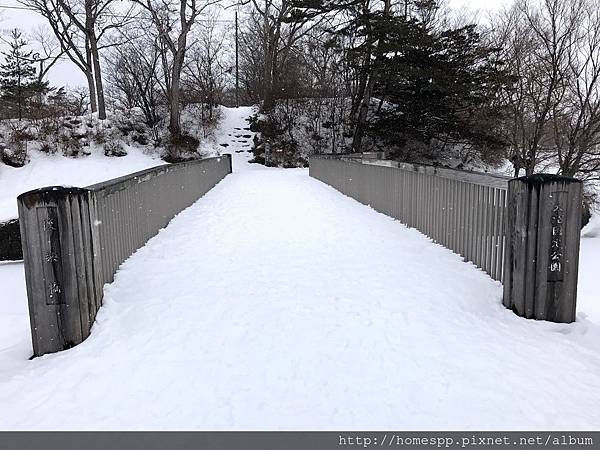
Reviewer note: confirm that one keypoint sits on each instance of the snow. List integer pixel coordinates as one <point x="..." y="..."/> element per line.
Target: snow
<point x="15" y="337"/>
<point x="275" y="302"/>
<point x="588" y="295"/>
<point x="50" y="170"/>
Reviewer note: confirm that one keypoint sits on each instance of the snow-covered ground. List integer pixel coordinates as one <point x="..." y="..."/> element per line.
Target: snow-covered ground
<point x="588" y="295"/>
<point x="275" y="302"/>
<point x="51" y="170"/>
<point x="15" y="335"/>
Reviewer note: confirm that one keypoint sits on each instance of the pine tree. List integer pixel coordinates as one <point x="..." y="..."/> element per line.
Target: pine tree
<point x="440" y="86"/>
<point x="18" y="81"/>
<point x="438" y="83"/>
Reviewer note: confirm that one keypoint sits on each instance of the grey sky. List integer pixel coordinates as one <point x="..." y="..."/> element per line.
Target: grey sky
<point x="65" y="73"/>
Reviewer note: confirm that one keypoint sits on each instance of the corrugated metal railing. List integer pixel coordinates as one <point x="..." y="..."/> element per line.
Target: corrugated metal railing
<point x="76" y="238"/>
<point x="130" y="210"/>
<point x="463" y="211"/>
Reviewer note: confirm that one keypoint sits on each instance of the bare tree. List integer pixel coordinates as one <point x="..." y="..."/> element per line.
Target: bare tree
<point x="576" y="121"/>
<point x="49" y="51"/>
<point x="281" y="30"/>
<point x="208" y="65"/>
<point x="537" y="39"/>
<point x="251" y="57"/>
<point x="173" y="21"/>
<point x="134" y="74"/>
<point x="79" y="26"/>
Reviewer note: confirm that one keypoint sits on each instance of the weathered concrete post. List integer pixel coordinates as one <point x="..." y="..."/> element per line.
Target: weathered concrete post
<point x="542" y="247"/>
<point x="58" y="256"/>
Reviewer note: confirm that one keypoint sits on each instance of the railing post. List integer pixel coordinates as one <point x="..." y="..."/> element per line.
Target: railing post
<point x="228" y="156"/>
<point x="542" y="247"/>
<point x="58" y="255"/>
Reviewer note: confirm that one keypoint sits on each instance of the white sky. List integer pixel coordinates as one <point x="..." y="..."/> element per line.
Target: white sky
<point x="65" y="73"/>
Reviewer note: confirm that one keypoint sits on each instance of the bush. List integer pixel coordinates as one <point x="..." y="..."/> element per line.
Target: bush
<point x="99" y="136"/>
<point x="590" y="198"/>
<point x="140" y="138"/>
<point x="114" y="148"/>
<point x="15" y="153"/>
<point x="181" y="148"/>
<point x="47" y="147"/>
<point x="70" y="146"/>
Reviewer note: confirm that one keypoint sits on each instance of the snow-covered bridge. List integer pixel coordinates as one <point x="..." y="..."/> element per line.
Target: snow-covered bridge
<point x="275" y="302"/>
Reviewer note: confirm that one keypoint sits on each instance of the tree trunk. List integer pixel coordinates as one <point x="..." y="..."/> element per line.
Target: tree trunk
<point x="361" y="122"/>
<point x="175" y="113"/>
<point x="89" y="75"/>
<point x="98" y="77"/>
<point x="268" y="81"/>
<point x="269" y="49"/>
<point x="92" y="90"/>
<point x="362" y="86"/>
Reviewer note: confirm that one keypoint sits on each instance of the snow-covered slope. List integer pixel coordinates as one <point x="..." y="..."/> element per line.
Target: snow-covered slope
<point x="277" y="303"/>
<point x="50" y="170"/>
<point x="234" y="136"/>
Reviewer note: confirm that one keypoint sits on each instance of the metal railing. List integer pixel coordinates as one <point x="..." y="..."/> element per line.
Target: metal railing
<point x="463" y="211"/>
<point x="75" y="239"/>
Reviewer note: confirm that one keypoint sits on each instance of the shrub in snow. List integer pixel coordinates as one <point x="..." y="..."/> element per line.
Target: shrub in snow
<point x="181" y="148"/>
<point x="114" y="148"/>
<point x="71" y="146"/>
<point x="140" y="138"/>
<point x="298" y="128"/>
<point x="99" y="135"/>
<point x="131" y="122"/>
<point x="590" y="200"/>
<point x="48" y="147"/>
<point x="200" y="121"/>
<point x="74" y="136"/>
<point x="14" y="153"/>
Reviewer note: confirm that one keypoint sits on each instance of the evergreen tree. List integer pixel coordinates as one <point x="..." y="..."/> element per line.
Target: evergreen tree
<point x="436" y="86"/>
<point x="18" y="81"/>
<point x="439" y="86"/>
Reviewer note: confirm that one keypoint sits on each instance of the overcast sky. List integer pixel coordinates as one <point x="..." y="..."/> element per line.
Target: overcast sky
<point x="65" y="73"/>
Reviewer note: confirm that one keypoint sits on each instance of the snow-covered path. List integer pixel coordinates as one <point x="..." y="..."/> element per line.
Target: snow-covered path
<point x="275" y="302"/>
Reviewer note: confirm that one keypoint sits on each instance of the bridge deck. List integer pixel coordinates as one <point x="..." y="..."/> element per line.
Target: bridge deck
<point x="276" y="302"/>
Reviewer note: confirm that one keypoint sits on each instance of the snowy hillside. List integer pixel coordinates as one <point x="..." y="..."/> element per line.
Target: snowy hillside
<point x="50" y="170"/>
<point x="90" y="164"/>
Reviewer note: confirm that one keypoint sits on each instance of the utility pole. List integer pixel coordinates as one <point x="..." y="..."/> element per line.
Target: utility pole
<point x="237" y="65"/>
